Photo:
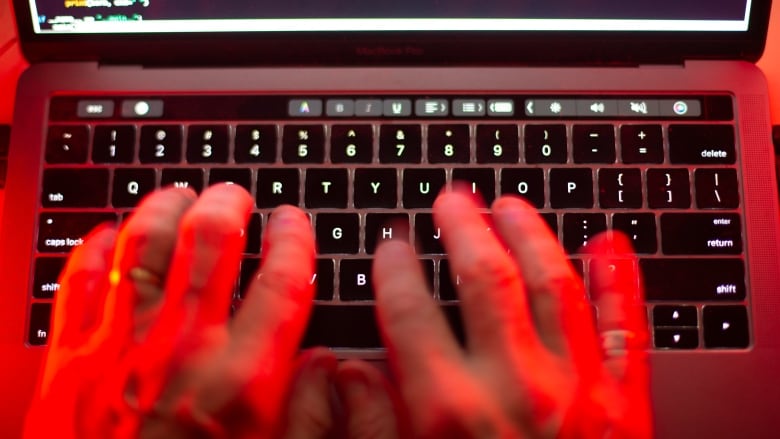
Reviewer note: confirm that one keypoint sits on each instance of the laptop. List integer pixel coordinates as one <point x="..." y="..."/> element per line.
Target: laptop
<point x="645" y="117"/>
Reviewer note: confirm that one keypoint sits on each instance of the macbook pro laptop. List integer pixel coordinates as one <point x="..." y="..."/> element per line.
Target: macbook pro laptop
<point x="647" y="117"/>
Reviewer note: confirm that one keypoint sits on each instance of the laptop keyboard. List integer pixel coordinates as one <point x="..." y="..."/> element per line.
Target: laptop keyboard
<point x="663" y="170"/>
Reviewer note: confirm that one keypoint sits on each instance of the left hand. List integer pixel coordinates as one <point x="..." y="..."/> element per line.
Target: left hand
<point x="142" y="345"/>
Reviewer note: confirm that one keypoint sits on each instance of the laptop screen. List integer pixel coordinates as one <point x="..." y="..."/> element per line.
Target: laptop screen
<point x="158" y="16"/>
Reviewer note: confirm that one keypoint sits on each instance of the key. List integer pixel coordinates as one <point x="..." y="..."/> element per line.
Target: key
<point x="579" y="228"/>
<point x="479" y="181"/>
<point x="400" y="144"/>
<point x="642" y="144"/>
<point x="342" y="327"/>
<point x="717" y="188"/>
<point x="113" y="144"/>
<point x="497" y="144"/>
<point x="382" y="226"/>
<point x="422" y="186"/>
<point x="46" y="281"/>
<point x="323" y="280"/>
<point x="183" y="178"/>
<point x="676" y="338"/>
<point x="427" y="237"/>
<point x="545" y="144"/>
<point x="702" y="144"/>
<point x="338" y="233"/>
<point x="640" y="228"/>
<point x="726" y="327"/>
<point x="326" y="188"/>
<point x="693" y="279"/>
<point x="355" y="280"/>
<point x="620" y="188"/>
<point x="255" y="144"/>
<point x="67" y="144"/>
<point x="75" y="188"/>
<point x="351" y="144"/>
<point x="239" y="176"/>
<point x="160" y="144"/>
<point x="375" y="188"/>
<point x="254" y="233"/>
<point x="701" y="234"/>
<point x="40" y="322"/>
<point x="276" y="187"/>
<point x="448" y="144"/>
<point x="61" y="232"/>
<point x="675" y="315"/>
<point x="571" y="188"/>
<point x="668" y="188"/>
<point x="593" y="143"/>
<point x="303" y="144"/>
<point x="131" y="185"/>
<point x="525" y="182"/>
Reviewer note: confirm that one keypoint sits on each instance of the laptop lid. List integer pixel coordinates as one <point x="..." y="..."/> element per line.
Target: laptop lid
<point x="405" y="32"/>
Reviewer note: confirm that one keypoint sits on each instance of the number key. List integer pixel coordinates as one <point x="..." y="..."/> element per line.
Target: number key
<point x="400" y="144"/>
<point x="255" y="144"/>
<point x="160" y="144"/>
<point x="303" y="144"/>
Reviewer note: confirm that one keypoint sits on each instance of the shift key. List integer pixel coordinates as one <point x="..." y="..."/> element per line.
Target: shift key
<point x="61" y="232"/>
<point x="696" y="279"/>
<point x="701" y="234"/>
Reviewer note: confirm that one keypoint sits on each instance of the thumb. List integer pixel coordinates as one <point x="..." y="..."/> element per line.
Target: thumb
<point x="368" y="402"/>
<point x="309" y="414"/>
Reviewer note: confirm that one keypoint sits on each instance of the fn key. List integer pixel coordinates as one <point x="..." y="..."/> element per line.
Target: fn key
<point x="40" y="317"/>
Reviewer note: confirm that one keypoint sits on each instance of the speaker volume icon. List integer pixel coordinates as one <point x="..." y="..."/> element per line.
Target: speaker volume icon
<point x="597" y="107"/>
<point x="639" y="107"/>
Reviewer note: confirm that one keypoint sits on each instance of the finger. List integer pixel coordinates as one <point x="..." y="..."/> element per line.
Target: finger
<point x="622" y="324"/>
<point x="561" y="314"/>
<point x="493" y="302"/>
<point x="143" y="253"/>
<point x="615" y="289"/>
<point x="413" y="327"/>
<point x="367" y="401"/>
<point x="83" y="287"/>
<point x="309" y="414"/>
<point x="270" y="323"/>
<point x="206" y="259"/>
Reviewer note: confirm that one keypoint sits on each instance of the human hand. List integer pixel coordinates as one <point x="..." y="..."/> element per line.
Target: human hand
<point x="534" y="364"/>
<point x="142" y="345"/>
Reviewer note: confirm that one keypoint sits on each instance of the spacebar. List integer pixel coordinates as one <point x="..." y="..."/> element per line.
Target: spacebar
<point x="355" y="326"/>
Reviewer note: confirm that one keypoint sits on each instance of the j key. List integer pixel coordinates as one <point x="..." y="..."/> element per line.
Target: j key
<point x="47" y="277"/>
<point x="725" y="327"/>
<point x="276" y="187"/>
<point x="448" y="144"/>
<point x="422" y="186"/>
<point x="702" y="144"/>
<point x="60" y="232"/>
<point x="113" y="144"/>
<point x="545" y="144"/>
<point x="525" y="182"/>
<point x="342" y="326"/>
<point x="75" y="188"/>
<point x="351" y="144"/>
<point x="382" y="226"/>
<point x="355" y="280"/>
<point x="160" y="144"/>
<point x="375" y="188"/>
<point x="400" y="144"/>
<point x="693" y="279"/>
<point x="717" y="188"/>
<point x="593" y="143"/>
<point x="497" y="144"/>
<point x="131" y="185"/>
<point x="326" y="188"/>
<point x="239" y="176"/>
<point x="303" y="144"/>
<point x="620" y="188"/>
<point x="579" y="228"/>
<point x="254" y="233"/>
<point x="427" y="237"/>
<point x="40" y="321"/>
<point x="668" y="188"/>
<point x="642" y="144"/>
<point x="323" y="280"/>
<point x="676" y="338"/>
<point x="701" y="234"/>
<point x="255" y="144"/>
<point x="640" y="228"/>
<point x="182" y="177"/>
<point x="67" y="144"/>
<point x="571" y="188"/>
<point x="480" y="182"/>
<point x="675" y="315"/>
<point x="207" y="144"/>
<point x="338" y="233"/>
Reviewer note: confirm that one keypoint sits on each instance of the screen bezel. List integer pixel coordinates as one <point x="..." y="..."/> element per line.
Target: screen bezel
<point x="392" y="48"/>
